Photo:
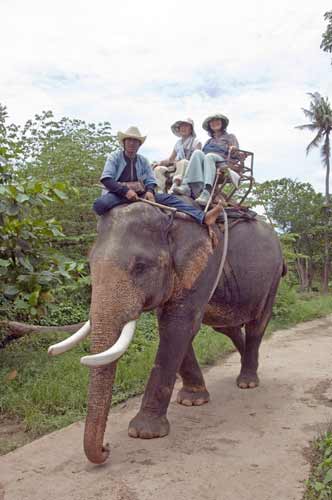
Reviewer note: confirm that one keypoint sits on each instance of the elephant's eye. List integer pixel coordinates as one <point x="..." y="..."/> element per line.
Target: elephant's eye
<point x="139" y="268"/>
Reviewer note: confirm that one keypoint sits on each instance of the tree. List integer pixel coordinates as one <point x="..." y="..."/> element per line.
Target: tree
<point x="295" y="209"/>
<point x="326" y="43"/>
<point x="30" y="265"/>
<point x="10" y="145"/>
<point x="320" y="116"/>
<point x="66" y="149"/>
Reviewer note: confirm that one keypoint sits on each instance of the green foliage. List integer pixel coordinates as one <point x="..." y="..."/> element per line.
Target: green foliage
<point x="29" y="266"/>
<point x="320" y="123"/>
<point x="319" y="485"/>
<point x="301" y="307"/>
<point x="69" y="150"/>
<point x="296" y="211"/>
<point x="285" y="301"/>
<point x="73" y="150"/>
<point x="70" y="303"/>
<point x="326" y="43"/>
<point x="10" y="146"/>
<point x="292" y="206"/>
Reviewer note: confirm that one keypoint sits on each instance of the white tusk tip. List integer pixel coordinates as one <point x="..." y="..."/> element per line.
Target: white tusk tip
<point x="115" y="351"/>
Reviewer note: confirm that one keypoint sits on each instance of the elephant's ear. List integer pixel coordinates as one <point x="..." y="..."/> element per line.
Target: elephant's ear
<point x="191" y="250"/>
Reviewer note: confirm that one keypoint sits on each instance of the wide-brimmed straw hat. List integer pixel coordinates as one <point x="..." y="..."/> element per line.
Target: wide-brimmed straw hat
<point x="131" y="133"/>
<point x="175" y="127"/>
<point x="217" y="116"/>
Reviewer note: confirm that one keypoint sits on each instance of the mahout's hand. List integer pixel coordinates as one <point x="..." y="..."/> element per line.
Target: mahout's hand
<point x="149" y="196"/>
<point x="131" y="195"/>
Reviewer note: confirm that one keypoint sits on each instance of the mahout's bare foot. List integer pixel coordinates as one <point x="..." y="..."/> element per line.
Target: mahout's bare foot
<point x="213" y="214"/>
<point x="146" y="426"/>
<point x="247" y="380"/>
<point x="191" y="397"/>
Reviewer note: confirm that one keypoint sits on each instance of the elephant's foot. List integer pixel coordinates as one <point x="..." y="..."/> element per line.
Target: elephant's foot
<point x="193" y="396"/>
<point x="247" y="380"/>
<point x="146" y="426"/>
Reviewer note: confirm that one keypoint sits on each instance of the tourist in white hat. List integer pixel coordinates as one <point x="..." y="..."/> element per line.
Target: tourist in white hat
<point x="180" y="156"/>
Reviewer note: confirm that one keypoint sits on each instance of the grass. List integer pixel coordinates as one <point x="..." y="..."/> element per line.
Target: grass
<point x="305" y="307"/>
<point x="319" y="484"/>
<point x="47" y="394"/>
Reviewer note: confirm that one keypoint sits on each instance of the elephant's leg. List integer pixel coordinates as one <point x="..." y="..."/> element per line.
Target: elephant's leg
<point x="255" y="330"/>
<point x="237" y="337"/>
<point x="193" y="391"/>
<point x="248" y="378"/>
<point x="177" y="327"/>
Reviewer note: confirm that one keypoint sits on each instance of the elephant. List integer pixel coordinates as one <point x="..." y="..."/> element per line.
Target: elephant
<point x="144" y="259"/>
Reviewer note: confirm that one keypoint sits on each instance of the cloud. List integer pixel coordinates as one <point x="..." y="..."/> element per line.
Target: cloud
<point x="150" y="63"/>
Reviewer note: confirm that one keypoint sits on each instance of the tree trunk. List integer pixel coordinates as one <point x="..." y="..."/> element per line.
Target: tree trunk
<point x="311" y="272"/>
<point x="325" y="287"/>
<point x="326" y="235"/>
<point x="302" y="272"/>
<point x="15" y="330"/>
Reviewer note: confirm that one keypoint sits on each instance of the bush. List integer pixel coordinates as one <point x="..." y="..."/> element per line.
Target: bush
<point x="286" y="298"/>
<point x="71" y="304"/>
<point x="319" y="485"/>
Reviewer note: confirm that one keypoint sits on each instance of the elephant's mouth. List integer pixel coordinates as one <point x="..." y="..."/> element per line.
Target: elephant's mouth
<point x="102" y="358"/>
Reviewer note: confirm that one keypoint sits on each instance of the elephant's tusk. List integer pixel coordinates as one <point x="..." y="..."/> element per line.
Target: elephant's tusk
<point x="71" y="341"/>
<point x="114" y="352"/>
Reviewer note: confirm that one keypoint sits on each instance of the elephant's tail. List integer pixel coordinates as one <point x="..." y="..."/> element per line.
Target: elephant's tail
<point x="284" y="269"/>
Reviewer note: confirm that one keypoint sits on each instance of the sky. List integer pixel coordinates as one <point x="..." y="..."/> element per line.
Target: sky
<point x="150" y="63"/>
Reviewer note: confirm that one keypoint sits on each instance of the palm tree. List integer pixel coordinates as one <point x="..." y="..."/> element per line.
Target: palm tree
<point x="320" y="116"/>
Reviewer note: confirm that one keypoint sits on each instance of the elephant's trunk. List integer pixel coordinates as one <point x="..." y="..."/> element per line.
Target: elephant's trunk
<point x="100" y="386"/>
<point x="99" y="402"/>
<point x="109" y="315"/>
<point x="101" y="381"/>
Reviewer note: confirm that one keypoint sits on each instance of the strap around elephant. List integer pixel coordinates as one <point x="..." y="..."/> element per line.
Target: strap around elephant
<point x="223" y="257"/>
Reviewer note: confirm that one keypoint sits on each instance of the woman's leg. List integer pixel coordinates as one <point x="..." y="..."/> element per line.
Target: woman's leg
<point x="210" y="169"/>
<point x="194" y="171"/>
<point x="181" y="168"/>
<point x="160" y="174"/>
<point x="194" y="176"/>
<point x="209" y="174"/>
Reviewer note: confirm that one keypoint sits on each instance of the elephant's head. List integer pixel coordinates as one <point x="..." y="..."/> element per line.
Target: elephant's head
<point x="131" y="271"/>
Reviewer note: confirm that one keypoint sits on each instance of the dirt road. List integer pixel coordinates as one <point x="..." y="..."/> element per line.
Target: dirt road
<point x="244" y="445"/>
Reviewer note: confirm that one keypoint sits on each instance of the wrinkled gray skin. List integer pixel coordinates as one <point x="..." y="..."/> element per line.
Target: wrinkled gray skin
<point x="140" y="262"/>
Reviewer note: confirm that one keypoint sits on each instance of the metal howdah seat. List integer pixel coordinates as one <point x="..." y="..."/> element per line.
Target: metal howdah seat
<point x="239" y="161"/>
<point x="242" y="163"/>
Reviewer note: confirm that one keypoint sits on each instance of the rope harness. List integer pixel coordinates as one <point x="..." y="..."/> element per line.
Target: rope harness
<point x="224" y="255"/>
